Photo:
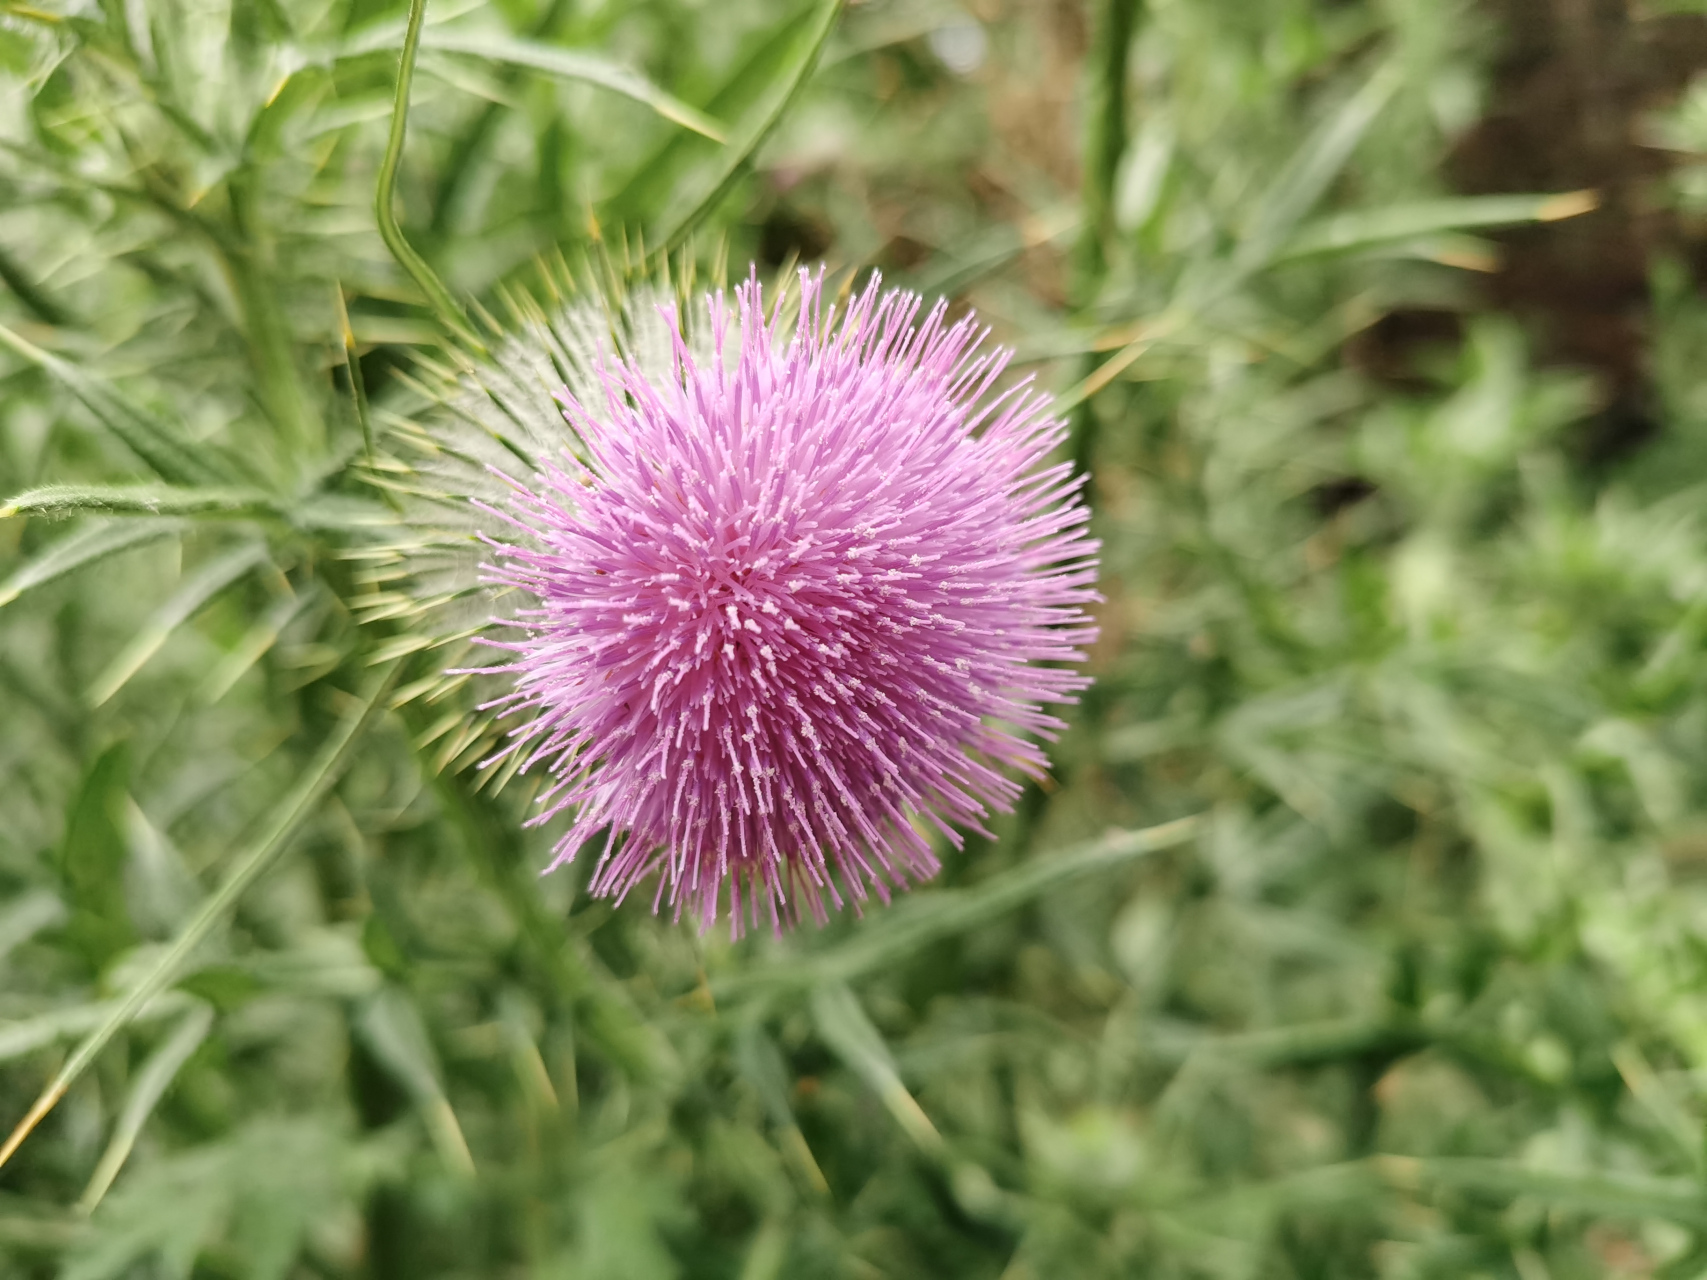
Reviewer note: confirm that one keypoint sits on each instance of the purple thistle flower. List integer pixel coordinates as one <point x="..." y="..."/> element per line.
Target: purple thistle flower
<point x="790" y="610"/>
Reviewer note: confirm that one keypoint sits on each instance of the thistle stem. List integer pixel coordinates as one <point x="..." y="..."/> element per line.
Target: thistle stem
<point x="438" y="296"/>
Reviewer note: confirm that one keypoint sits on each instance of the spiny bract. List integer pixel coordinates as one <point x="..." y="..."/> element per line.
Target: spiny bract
<point x="788" y="605"/>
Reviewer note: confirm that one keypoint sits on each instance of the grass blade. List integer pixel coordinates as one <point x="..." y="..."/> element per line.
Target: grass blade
<point x="196" y="591"/>
<point x="927" y="916"/>
<point x="1313" y="167"/>
<point x="26" y="1035"/>
<point x="172" y="457"/>
<point x="571" y="64"/>
<point x="28" y="915"/>
<point x="551" y="60"/>
<point x="251" y="648"/>
<point x="31" y="295"/>
<point x="150" y="1086"/>
<point x="845" y="1027"/>
<point x="843" y="1024"/>
<point x="1616" y="1195"/>
<point x="648" y="188"/>
<point x="280" y="825"/>
<point x="761" y="1065"/>
<point x="353" y="368"/>
<point x="1656" y="1098"/>
<point x="84" y="547"/>
<point x="1365" y="228"/>
<point x="391" y="1028"/>
<point x="742" y="149"/>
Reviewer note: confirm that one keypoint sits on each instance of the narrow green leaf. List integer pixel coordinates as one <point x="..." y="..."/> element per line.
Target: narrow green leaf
<point x="532" y="1074"/>
<point x="1313" y="167"/>
<point x="31" y="294"/>
<point x="552" y="60"/>
<point x="23" y="1036"/>
<point x="58" y="500"/>
<point x="746" y="143"/>
<point x="768" y="1254"/>
<point x="656" y="175"/>
<point x="472" y="139"/>
<point x="1657" y="1099"/>
<point x="251" y="648"/>
<point x="843" y="1025"/>
<point x="280" y="825"/>
<point x="353" y="370"/>
<point x="172" y="456"/>
<point x="85" y="547"/>
<point x="92" y="857"/>
<point x="26" y="916"/>
<point x="391" y="1028"/>
<point x="761" y="1065"/>
<point x="1365" y="228"/>
<point x="570" y="64"/>
<point x="928" y="915"/>
<point x="191" y="595"/>
<point x="40" y="1232"/>
<point x="160" y="889"/>
<point x="1621" y="1195"/>
<point x="145" y="1093"/>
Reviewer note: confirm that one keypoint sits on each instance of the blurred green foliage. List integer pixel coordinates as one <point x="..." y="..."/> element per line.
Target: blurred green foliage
<point x="1420" y="991"/>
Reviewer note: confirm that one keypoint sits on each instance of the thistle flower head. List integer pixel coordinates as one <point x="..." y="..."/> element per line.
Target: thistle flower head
<point x="790" y="604"/>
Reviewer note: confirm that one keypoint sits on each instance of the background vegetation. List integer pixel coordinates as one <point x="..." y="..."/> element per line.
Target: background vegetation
<point x="1407" y="592"/>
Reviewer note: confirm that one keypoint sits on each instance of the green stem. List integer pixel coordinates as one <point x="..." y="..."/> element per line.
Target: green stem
<point x="438" y="296"/>
<point x="1105" y="143"/>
